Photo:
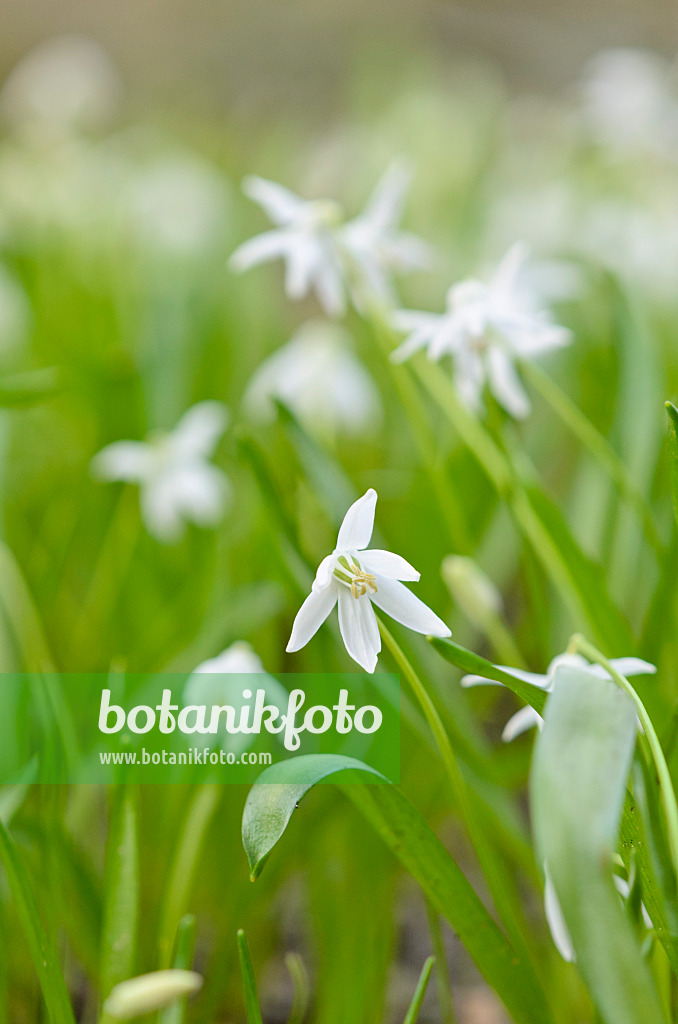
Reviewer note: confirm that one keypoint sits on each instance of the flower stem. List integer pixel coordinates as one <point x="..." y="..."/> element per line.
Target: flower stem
<point x="581" y="645"/>
<point x="498" y="880"/>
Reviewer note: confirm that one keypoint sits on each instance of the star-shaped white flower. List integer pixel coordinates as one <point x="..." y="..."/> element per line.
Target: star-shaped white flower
<point x="527" y="717"/>
<point x="317" y="375"/>
<point x="176" y="481"/>
<point x="356" y="578"/>
<point x="325" y="254"/>
<point x="485" y="328"/>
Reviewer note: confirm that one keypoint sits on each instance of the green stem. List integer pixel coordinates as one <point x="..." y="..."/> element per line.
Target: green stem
<point x="496" y="876"/>
<point x="443" y="984"/>
<point x="581" y="645"/>
<point x="598" y="446"/>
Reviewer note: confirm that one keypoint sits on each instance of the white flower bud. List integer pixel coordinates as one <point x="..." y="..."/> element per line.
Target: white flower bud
<point x="150" y="992"/>
<point x="472" y="589"/>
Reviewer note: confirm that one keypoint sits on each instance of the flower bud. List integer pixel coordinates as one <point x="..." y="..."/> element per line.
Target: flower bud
<point x="150" y="992"/>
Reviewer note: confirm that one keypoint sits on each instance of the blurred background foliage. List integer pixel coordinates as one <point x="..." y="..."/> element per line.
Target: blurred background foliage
<point x="117" y="312"/>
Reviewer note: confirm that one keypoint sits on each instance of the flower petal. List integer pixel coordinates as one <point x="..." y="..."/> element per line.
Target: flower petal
<point x="311" y="616"/>
<point x="632" y="666"/>
<point x="198" y="431"/>
<point x="536" y="678"/>
<point x="519" y="723"/>
<point x="359" y="630"/>
<point x="281" y="205"/>
<point x="556" y="922"/>
<point x="131" y="461"/>
<point x="356" y="530"/>
<point x="402" y="605"/>
<point x="385" y="205"/>
<point x="261" y="249"/>
<point x="386" y="563"/>
<point x="505" y="384"/>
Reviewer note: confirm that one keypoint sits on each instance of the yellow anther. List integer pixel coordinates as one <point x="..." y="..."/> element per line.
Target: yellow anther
<point x="362" y="582"/>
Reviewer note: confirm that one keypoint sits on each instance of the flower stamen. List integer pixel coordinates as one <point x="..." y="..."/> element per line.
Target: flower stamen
<point x="362" y="582"/>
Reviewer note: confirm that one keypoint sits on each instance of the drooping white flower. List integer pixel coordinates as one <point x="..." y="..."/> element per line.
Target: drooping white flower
<point x="627" y="102"/>
<point x="317" y="375"/>
<point x="356" y="577"/>
<point x="485" y="328"/>
<point x="527" y="717"/>
<point x="219" y="681"/>
<point x="65" y="84"/>
<point x="176" y="481"/>
<point x="325" y="254"/>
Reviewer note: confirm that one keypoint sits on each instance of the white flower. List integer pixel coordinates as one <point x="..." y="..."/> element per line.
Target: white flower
<point x="627" y="101"/>
<point x="177" y="204"/>
<point x="325" y="254"/>
<point x="320" y="379"/>
<point x="486" y="327"/>
<point x="64" y="84"/>
<point x="527" y="717"/>
<point x="357" y="578"/>
<point x="219" y="681"/>
<point x="177" y="482"/>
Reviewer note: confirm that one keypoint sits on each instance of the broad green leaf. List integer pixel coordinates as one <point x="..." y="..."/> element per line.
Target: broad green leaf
<point x="121" y="911"/>
<point x="578" y="782"/>
<point x="412" y="1014"/>
<point x="249" y="984"/>
<point x="271" y="803"/>
<point x="42" y="949"/>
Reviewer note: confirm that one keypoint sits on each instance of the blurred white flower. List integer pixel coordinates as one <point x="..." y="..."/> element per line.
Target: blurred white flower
<point x="527" y="717"/>
<point x="176" y="481"/>
<point x="327" y="255"/>
<point x="150" y="992"/>
<point x="219" y="681"/>
<point x="317" y="375"/>
<point x="177" y="204"/>
<point x="486" y="327"/>
<point x="627" y="102"/>
<point x="15" y="315"/>
<point x="65" y="84"/>
<point x="375" y="244"/>
<point x="357" y="578"/>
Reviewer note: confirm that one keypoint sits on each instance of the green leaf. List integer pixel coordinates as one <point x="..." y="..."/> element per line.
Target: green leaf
<point x="183" y="961"/>
<point x="578" y="782"/>
<point x="249" y="984"/>
<point x="42" y="950"/>
<point x="121" y="911"/>
<point x="30" y="387"/>
<point x="302" y="994"/>
<point x="473" y="664"/>
<point x="271" y="803"/>
<point x="418" y="998"/>
<point x="673" y="453"/>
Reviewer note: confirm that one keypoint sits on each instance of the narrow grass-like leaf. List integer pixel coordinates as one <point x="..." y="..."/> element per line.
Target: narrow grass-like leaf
<point x="579" y="773"/>
<point x="412" y="1014"/>
<point x="302" y="990"/>
<point x="673" y="453"/>
<point x="42" y="950"/>
<point x="121" y="910"/>
<point x="270" y="805"/>
<point x="28" y="388"/>
<point x="186" y="856"/>
<point x="182" y="961"/>
<point x="473" y="664"/>
<point x="249" y="983"/>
